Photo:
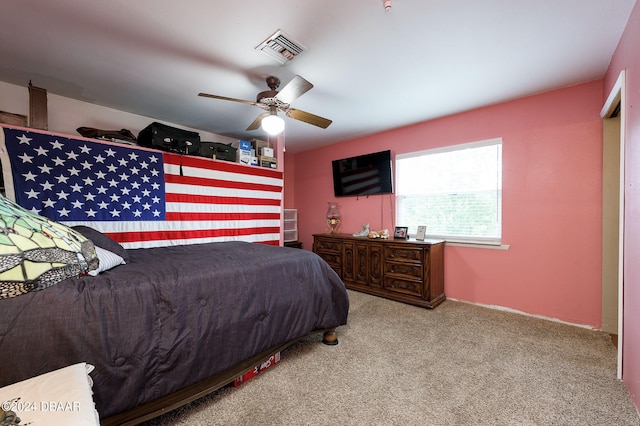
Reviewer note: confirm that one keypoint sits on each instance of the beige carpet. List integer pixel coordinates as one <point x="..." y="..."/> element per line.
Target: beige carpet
<point x="458" y="364"/>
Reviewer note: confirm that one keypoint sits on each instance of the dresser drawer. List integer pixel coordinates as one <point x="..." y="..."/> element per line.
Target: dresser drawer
<point x="408" y="270"/>
<point x="333" y="259"/>
<point x="399" y="285"/>
<point x="326" y="245"/>
<point x="404" y="253"/>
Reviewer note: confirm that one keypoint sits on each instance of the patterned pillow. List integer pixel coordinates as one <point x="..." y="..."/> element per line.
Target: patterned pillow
<point x="36" y="253"/>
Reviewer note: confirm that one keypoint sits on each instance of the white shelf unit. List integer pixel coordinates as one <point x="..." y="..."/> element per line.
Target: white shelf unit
<point x="290" y="225"/>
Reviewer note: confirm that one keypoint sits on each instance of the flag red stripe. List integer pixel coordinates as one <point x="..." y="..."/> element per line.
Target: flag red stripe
<point x="225" y="166"/>
<point x="182" y="216"/>
<point x="219" y="183"/>
<point x="131" y="237"/>
<point x="216" y="199"/>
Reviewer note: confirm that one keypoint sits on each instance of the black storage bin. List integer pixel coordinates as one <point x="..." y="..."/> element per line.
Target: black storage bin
<point x="220" y="150"/>
<point x="168" y="138"/>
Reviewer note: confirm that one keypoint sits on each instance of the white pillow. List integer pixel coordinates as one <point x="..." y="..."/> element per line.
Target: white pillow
<point x="107" y="260"/>
<point x="60" y="397"/>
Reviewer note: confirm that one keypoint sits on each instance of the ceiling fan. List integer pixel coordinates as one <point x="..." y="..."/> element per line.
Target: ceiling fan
<point x="273" y="101"/>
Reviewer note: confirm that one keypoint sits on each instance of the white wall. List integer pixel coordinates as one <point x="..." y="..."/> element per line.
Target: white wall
<point x="65" y="115"/>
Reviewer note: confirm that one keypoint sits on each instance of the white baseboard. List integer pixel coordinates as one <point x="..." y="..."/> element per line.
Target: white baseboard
<point x="515" y="311"/>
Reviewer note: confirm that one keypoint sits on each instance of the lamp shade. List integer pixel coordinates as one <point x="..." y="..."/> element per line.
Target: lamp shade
<point x="272" y="124"/>
<point x="36" y="253"/>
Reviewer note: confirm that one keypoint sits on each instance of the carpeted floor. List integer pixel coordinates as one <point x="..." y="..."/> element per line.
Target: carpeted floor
<point x="458" y="364"/>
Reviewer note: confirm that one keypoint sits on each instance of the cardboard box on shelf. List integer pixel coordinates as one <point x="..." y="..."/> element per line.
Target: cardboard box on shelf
<point x="269" y="162"/>
<point x="258" y="144"/>
<point x="244" y="156"/>
<point x="242" y="145"/>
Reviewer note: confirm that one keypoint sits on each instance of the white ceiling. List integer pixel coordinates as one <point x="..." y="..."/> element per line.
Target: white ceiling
<point x="371" y="70"/>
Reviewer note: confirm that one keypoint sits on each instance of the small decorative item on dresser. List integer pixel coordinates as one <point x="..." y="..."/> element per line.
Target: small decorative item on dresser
<point x="364" y="232"/>
<point x="422" y="232"/>
<point x="401" y="233"/>
<point x="382" y="234"/>
<point x="334" y="218"/>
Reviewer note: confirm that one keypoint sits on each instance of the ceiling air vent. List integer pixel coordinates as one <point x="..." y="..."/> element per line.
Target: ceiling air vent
<point x="281" y="47"/>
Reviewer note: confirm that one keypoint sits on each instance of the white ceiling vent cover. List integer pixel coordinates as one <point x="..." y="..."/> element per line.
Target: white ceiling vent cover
<point x="281" y="47"/>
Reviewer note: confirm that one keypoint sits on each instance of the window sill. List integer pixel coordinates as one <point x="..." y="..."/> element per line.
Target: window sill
<point x="476" y="244"/>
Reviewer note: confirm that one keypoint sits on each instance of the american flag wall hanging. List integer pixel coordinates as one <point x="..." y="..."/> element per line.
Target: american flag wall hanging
<point x="140" y="197"/>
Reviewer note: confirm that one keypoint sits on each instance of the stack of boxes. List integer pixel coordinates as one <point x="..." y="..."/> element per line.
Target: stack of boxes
<point x="256" y="153"/>
<point x="245" y="154"/>
<point x="266" y="158"/>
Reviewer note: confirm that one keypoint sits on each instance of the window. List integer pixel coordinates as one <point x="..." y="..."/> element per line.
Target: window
<point x="456" y="192"/>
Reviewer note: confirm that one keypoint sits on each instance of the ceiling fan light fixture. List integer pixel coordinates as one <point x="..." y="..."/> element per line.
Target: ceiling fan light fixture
<point x="272" y="124"/>
<point x="273" y="101"/>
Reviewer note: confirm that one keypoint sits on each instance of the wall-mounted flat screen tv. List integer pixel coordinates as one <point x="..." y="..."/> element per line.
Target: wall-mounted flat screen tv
<point x="367" y="174"/>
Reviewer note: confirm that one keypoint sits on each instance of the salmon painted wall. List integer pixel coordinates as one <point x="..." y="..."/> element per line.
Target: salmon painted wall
<point x="627" y="58"/>
<point x="552" y="189"/>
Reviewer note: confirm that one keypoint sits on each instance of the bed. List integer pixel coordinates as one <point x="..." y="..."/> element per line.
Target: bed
<point x="172" y="323"/>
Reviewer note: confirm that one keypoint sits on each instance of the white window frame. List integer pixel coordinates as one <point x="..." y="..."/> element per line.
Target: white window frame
<point x="473" y="240"/>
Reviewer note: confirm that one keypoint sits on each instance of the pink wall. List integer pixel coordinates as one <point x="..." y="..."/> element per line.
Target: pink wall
<point x="626" y="57"/>
<point x="552" y="178"/>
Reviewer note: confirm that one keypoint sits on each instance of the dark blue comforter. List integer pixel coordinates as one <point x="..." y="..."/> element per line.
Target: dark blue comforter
<point x="171" y="317"/>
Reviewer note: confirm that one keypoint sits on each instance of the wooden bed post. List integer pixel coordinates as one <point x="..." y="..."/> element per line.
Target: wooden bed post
<point x="329" y="337"/>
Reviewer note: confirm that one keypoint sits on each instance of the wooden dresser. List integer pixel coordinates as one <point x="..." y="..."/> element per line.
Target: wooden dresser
<point x="406" y="271"/>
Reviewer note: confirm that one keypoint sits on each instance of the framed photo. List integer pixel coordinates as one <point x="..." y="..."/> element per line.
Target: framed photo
<point x="401" y="233"/>
<point x="422" y="231"/>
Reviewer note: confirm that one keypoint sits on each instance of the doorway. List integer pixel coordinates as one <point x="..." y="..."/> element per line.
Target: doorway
<point x="613" y="149"/>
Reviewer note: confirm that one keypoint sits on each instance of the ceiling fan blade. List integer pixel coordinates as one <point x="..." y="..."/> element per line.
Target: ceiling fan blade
<point x="224" y="98"/>
<point x="256" y="123"/>
<point x="308" y="118"/>
<point x="297" y="87"/>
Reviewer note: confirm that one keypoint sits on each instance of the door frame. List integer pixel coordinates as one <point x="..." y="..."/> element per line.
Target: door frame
<point x="617" y="96"/>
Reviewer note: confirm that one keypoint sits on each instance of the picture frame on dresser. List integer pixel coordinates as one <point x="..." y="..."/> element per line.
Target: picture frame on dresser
<point x="401" y="233"/>
<point x="421" y="234"/>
